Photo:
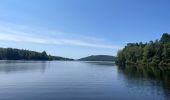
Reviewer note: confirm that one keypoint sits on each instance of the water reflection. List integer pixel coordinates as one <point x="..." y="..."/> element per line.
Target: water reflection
<point x="81" y="81"/>
<point x="143" y="76"/>
<point x="105" y="63"/>
<point x="22" y="66"/>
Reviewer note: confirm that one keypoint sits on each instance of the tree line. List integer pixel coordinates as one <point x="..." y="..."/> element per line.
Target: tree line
<point x="21" y="54"/>
<point x="98" y="58"/>
<point x="155" y="53"/>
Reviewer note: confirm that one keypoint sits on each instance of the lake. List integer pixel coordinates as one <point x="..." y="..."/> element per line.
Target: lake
<point x="73" y="80"/>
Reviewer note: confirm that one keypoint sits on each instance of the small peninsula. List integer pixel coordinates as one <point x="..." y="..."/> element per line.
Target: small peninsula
<point x="21" y="54"/>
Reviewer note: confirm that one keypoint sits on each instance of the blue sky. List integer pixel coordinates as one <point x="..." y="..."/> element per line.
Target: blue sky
<point x="78" y="28"/>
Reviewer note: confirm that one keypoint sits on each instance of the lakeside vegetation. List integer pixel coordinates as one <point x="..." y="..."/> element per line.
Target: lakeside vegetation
<point x="155" y="53"/>
<point x="21" y="54"/>
<point x="98" y="58"/>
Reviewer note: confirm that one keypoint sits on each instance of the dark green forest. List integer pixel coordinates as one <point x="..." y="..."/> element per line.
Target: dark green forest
<point x="98" y="58"/>
<point x="155" y="53"/>
<point x="21" y="54"/>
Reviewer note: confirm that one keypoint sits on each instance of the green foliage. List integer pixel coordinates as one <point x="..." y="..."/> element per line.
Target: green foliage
<point x="98" y="58"/>
<point x="17" y="54"/>
<point x="154" y="53"/>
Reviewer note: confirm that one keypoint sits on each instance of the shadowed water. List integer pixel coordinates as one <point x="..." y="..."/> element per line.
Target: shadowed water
<point x="57" y="80"/>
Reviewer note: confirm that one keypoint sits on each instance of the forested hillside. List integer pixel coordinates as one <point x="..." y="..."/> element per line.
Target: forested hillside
<point x="98" y="58"/>
<point x="154" y="52"/>
<point x="18" y="54"/>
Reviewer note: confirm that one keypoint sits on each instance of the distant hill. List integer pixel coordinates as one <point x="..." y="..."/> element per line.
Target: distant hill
<point x="98" y="58"/>
<point x="21" y="54"/>
<point x="60" y="58"/>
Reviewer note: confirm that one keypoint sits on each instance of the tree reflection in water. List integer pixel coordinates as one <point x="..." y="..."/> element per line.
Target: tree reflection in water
<point x="144" y="75"/>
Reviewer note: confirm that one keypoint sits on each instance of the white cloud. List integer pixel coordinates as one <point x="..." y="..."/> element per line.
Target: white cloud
<point x="23" y="34"/>
<point x="19" y="38"/>
<point x="88" y="44"/>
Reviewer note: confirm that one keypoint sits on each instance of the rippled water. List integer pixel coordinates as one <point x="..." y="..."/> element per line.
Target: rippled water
<point x="57" y="80"/>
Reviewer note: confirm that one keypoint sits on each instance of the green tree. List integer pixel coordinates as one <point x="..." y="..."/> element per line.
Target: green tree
<point x="155" y="52"/>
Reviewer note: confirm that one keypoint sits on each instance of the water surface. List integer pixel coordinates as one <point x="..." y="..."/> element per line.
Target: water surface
<point x="57" y="80"/>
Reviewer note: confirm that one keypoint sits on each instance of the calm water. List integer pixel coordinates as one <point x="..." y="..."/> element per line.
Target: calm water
<point x="31" y="80"/>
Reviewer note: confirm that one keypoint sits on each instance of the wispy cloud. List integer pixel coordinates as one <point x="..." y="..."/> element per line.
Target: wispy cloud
<point x="19" y="33"/>
<point x="88" y="44"/>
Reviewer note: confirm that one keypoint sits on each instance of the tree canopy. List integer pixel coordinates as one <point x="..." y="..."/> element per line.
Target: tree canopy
<point x="98" y="58"/>
<point x="155" y="52"/>
<point x="21" y="54"/>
